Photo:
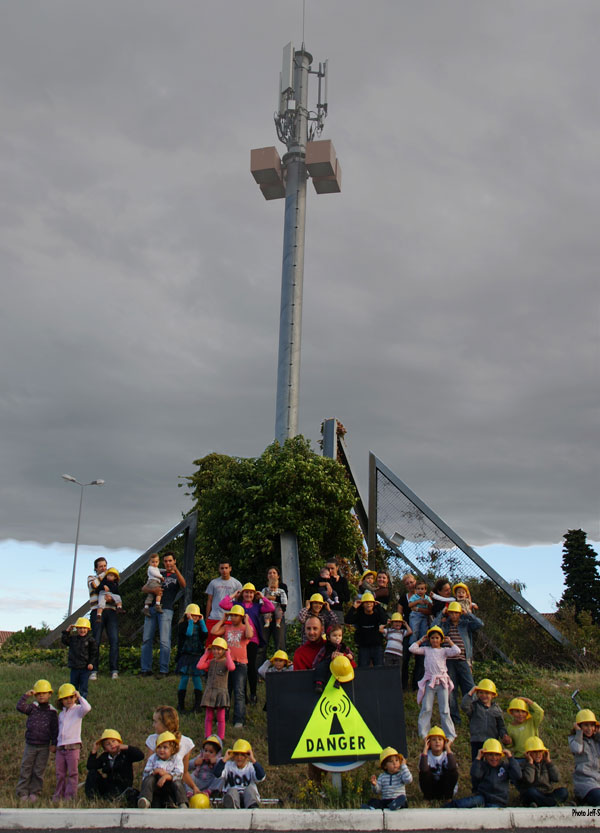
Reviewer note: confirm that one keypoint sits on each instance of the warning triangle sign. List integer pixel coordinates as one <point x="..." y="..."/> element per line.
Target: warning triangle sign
<point x="335" y="729"/>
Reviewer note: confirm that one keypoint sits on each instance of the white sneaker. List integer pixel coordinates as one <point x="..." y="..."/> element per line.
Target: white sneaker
<point x="93" y="676"/>
<point x="143" y="803"/>
<point x="238" y="725"/>
<point x="114" y="675"/>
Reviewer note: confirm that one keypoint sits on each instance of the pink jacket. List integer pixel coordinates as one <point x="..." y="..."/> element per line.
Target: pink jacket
<point x="254" y="610"/>
<point x="207" y="657"/>
<point x="69" y="722"/>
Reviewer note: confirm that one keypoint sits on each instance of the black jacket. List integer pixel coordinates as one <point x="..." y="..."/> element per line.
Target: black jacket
<point x="82" y="649"/>
<point x="120" y="775"/>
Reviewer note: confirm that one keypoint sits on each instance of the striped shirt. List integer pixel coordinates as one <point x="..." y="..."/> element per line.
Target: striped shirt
<point x="392" y="785"/>
<point x="455" y="636"/>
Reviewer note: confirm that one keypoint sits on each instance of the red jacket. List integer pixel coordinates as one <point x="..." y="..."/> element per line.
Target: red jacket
<point x="304" y="655"/>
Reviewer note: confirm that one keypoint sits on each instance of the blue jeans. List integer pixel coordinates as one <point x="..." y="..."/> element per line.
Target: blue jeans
<point x="470" y="801"/>
<point x="109" y="621"/>
<point x="162" y="621"/>
<point x="533" y="796"/>
<point x="366" y="653"/>
<point x="237" y="689"/>
<point x="460" y="674"/>
<point x="419" y="623"/>
<point x="591" y="799"/>
<point x="79" y="678"/>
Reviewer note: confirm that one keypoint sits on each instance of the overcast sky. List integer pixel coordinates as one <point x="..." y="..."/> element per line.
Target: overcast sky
<point x="451" y="289"/>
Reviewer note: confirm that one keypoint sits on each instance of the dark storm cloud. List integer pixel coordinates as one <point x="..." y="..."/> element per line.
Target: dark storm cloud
<point x="450" y="290"/>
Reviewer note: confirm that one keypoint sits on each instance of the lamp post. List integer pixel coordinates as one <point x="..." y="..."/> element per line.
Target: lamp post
<point x="71" y="479"/>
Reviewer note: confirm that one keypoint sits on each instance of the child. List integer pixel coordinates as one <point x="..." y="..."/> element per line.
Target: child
<point x="111" y="588"/>
<point x="368" y="616"/>
<point x="584" y="743"/>
<point x="333" y="647"/>
<point x="162" y="774"/>
<point x="83" y="652"/>
<point x="390" y="786"/>
<point x="485" y="717"/>
<point x="110" y="773"/>
<point x="154" y="585"/>
<point x="325" y="588"/>
<point x="72" y="709"/>
<point x="217" y="660"/>
<point x="278" y="662"/>
<point x="41" y="733"/>
<point x="420" y="605"/>
<point x="191" y="635"/>
<point x="435" y="680"/>
<point x="367" y="583"/>
<point x="462" y="594"/>
<point x="491" y="773"/>
<point x="316" y="606"/>
<point x="240" y="772"/>
<point x="538" y="777"/>
<point x="238" y="631"/>
<point x="524" y="721"/>
<point x="202" y="767"/>
<point x="394" y="633"/>
<point x="438" y="772"/>
<point x="276" y="594"/>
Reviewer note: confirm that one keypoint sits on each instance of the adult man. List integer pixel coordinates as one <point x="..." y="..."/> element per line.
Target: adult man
<point x="108" y="620"/>
<point x="218" y="588"/>
<point x="410" y="582"/>
<point x="173" y="581"/>
<point x="305" y="654"/>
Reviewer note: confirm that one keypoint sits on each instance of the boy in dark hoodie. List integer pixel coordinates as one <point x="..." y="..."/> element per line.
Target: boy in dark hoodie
<point x="485" y="717"/>
<point x="110" y="770"/>
<point x="41" y="733"/>
<point x="491" y="772"/>
<point x="82" y="653"/>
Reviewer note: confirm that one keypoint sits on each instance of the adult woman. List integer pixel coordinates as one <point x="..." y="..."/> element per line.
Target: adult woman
<point x="275" y="592"/>
<point x="441" y="594"/>
<point x="166" y="719"/>
<point x="383" y="590"/>
<point x="255" y="605"/>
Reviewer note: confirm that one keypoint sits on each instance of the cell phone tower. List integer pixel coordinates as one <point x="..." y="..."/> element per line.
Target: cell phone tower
<point x="278" y="178"/>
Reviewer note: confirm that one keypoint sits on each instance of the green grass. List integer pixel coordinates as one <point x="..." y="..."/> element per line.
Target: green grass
<point x="127" y="704"/>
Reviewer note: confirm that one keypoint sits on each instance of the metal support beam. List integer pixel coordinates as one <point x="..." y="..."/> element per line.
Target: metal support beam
<point x="290" y="573"/>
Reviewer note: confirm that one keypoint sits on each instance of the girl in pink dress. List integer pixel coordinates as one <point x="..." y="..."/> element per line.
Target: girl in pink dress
<point x="435" y="680"/>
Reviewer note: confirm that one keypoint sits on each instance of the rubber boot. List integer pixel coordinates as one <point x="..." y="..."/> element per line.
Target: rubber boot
<point x="197" y="701"/>
<point x="181" y="701"/>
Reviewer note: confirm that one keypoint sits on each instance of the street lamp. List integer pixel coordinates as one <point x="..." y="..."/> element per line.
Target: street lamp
<point x="71" y="479"/>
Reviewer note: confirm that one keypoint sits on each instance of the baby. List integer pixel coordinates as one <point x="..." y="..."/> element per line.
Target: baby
<point x="110" y="586"/>
<point x="154" y="585"/>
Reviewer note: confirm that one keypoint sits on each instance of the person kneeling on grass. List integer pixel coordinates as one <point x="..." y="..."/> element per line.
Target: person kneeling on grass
<point x="162" y="775"/>
<point x="240" y="772"/>
<point x="110" y="770"/>
<point x="491" y="772"/>
<point x="539" y="777"/>
<point x="390" y="786"/>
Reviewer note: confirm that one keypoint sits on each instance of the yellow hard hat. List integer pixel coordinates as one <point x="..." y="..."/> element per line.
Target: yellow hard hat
<point x="487" y="685"/>
<point x="517" y="704"/>
<point x="238" y="610"/>
<point x="368" y="573"/>
<point x="200" y="801"/>
<point x="461" y="584"/>
<point x="193" y="610"/>
<point x="219" y="642"/>
<point x="342" y="669"/>
<point x="83" y="623"/>
<point x="242" y="746"/>
<point x="535" y="744"/>
<point x="249" y="586"/>
<point x="436" y="629"/>
<point x="280" y="655"/>
<point x="436" y="732"/>
<point x="110" y="734"/>
<point x="316" y="597"/>
<point x="387" y="753"/>
<point x="66" y="690"/>
<point x="586" y="716"/>
<point x="42" y="687"/>
<point x="454" y="607"/>
<point x="213" y="739"/>
<point x="367" y="597"/>
<point x="397" y="617"/>
<point x="165" y="737"/>
<point x="112" y="570"/>
<point x="492" y="745"/>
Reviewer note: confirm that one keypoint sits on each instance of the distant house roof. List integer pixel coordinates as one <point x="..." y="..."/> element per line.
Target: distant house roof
<point x="4" y="636"/>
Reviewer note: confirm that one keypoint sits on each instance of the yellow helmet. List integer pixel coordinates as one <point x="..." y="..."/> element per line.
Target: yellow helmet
<point x="249" y="586"/>
<point x="368" y="573"/>
<point x="219" y="642"/>
<point x="454" y="607"/>
<point x="462" y="585"/>
<point x="535" y="744"/>
<point x="387" y="753"/>
<point x="242" y="746"/>
<point x="110" y="734"/>
<point x="213" y="739"/>
<point x="487" y="685"/>
<point x="436" y="629"/>
<point x="165" y="737"/>
<point x="367" y="597"/>
<point x="281" y="655"/>
<point x="436" y="732"/>
<point x="517" y="704"/>
<point x="112" y="570"/>
<point x="83" y="623"/>
<point x="492" y="745"/>
<point x="586" y="716"/>
<point x="42" y="687"/>
<point x="193" y="610"/>
<point x="200" y="801"/>
<point x="316" y="597"/>
<point x="397" y="617"/>
<point x="66" y="690"/>
<point x="237" y="610"/>
<point x="342" y="669"/>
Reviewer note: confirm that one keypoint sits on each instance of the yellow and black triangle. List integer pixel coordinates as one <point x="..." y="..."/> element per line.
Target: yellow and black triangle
<point x="335" y="729"/>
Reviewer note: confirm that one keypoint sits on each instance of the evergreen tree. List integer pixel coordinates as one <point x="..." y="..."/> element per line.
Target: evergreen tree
<point x="582" y="580"/>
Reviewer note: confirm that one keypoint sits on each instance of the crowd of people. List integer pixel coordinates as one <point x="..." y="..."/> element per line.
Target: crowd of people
<point x="224" y="653"/>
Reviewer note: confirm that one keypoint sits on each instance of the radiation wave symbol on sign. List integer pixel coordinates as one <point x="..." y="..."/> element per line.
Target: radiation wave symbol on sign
<point x="335" y="728"/>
